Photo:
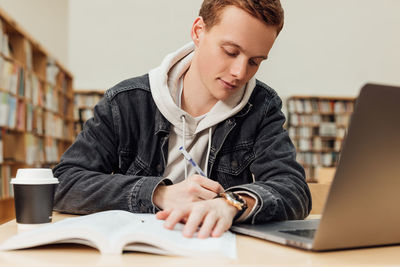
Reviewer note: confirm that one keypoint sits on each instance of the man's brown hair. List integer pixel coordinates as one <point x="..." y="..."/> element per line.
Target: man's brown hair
<point x="269" y="11"/>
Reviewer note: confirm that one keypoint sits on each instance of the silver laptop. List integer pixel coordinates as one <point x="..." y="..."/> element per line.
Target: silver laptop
<point x="363" y="205"/>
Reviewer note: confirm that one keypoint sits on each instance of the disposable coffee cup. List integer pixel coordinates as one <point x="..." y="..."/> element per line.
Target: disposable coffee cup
<point x="33" y="196"/>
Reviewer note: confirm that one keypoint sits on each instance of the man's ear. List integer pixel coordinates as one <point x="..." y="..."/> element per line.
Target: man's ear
<point x="198" y="29"/>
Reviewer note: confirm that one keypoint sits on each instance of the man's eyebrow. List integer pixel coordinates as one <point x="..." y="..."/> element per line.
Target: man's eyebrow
<point x="240" y="48"/>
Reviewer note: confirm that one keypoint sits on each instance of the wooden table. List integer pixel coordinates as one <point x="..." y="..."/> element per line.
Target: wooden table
<point x="251" y="251"/>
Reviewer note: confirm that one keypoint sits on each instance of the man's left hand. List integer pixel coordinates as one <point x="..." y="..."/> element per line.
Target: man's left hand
<point x="213" y="216"/>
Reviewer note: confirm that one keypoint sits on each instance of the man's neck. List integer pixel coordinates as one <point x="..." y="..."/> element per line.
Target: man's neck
<point x="196" y="99"/>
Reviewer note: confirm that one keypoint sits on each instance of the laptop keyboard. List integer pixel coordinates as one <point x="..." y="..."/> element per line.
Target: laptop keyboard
<point x="309" y="233"/>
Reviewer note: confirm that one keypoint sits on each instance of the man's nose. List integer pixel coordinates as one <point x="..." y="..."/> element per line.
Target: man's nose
<point x="239" y="68"/>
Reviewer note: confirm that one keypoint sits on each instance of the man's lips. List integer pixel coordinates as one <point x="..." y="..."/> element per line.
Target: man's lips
<point x="228" y="85"/>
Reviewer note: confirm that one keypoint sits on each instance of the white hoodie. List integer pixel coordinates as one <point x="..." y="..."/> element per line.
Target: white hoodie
<point x="193" y="133"/>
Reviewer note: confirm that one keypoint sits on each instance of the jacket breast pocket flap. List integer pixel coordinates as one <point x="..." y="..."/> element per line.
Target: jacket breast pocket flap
<point x="235" y="160"/>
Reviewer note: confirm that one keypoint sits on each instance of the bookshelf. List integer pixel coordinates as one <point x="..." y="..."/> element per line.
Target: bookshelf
<point x="84" y="102"/>
<point x="317" y="126"/>
<point x="36" y="107"/>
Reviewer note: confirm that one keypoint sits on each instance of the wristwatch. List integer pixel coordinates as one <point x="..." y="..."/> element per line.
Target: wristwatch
<point x="235" y="200"/>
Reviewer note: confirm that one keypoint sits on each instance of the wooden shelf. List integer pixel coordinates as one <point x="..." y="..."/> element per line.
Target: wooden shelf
<point x="7" y="211"/>
<point x="317" y="125"/>
<point x="37" y="92"/>
<point x="85" y="100"/>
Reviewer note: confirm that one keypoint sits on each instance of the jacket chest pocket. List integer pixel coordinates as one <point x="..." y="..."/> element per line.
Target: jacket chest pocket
<point x="129" y="164"/>
<point x="234" y="160"/>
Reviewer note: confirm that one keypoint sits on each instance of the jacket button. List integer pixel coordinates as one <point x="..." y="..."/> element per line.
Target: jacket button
<point x="230" y="122"/>
<point x="159" y="168"/>
<point x="234" y="164"/>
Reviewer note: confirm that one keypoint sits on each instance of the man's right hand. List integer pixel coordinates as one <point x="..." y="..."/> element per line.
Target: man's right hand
<point x="193" y="189"/>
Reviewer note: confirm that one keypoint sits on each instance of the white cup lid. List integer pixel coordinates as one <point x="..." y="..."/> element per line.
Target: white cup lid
<point x="34" y="176"/>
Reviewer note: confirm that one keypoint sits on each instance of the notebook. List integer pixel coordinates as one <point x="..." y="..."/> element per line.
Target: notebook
<point x="363" y="205"/>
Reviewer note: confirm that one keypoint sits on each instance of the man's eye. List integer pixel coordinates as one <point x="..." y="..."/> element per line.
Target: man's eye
<point x="253" y="63"/>
<point x="231" y="54"/>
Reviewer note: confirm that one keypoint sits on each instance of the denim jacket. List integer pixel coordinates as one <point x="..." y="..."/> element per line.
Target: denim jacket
<point x="119" y="158"/>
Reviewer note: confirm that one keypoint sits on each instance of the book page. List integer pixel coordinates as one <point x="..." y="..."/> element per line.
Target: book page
<point x="172" y="242"/>
<point x="113" y="231"/>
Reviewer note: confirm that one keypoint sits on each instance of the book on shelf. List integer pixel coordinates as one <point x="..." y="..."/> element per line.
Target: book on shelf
<point x="115" y="231"/>
<point x="28" y="54"/>
<point x="85" y="114"/>
<point x="38" y="121"/>
<point x="88" y="100"/>
<point x="1" y="146"/>
<point x="4" y="108"/>
<point x="21" y="81"/>
<point x="328" y="129"/>
<point x="51" y="150"/>
<point x="2" y="190"/>
<point x="4" y="46"/>
<point x="52" y="71"/>
<point x="37" y="92"/>
<point x="12" y="112"/>
<point x="9" y="76"/>
<point x="29" y="117"/>
<point x="21" y="115"/>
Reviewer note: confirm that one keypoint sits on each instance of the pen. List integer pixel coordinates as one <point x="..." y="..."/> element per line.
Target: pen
<point x="189" y="158"/>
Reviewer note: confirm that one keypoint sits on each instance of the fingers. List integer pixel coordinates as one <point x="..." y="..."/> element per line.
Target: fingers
<point x="207" y="226"/>
<point x="203" y="193"/>
<point x="208" y="184"/>
<point x="220" y="228"/>
<point x="212" y="216"/>
<point x="194" y="221"/>
<point x="162" y="215"/>
<point x="173" y="218"/>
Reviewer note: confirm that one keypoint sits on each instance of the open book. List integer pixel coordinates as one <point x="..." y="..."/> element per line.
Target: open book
<point x="115" y="231"/>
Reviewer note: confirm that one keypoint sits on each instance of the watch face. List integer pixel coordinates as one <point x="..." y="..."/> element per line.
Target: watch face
<point x="235" y="200"/>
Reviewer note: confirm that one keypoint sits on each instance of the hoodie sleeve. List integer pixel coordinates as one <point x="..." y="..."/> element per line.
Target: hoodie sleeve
<point x="279" y="185"/>
<point x="87" y="182"/>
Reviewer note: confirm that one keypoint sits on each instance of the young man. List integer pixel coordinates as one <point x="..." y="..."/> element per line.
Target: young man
<point x="203" y="97"/>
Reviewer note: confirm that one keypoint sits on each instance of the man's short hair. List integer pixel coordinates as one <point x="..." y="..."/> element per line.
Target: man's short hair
<point x="269" y="11"/>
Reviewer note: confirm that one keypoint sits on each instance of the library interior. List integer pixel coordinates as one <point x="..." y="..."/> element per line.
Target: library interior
<point x="58" y="58"/>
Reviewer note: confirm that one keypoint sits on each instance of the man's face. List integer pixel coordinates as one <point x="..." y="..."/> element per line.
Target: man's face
<point x="229" y="54"/>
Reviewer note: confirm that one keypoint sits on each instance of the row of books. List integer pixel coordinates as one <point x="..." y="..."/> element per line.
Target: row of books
<point x="56" y="127"/>
<point x="8" y="110"/>
<point x="314" y="105"/>
<point x="87" y="100"/>
<point x="7" y="52"/>
<point x="85" y="114"/>
<point x="327" y="159"/>
<point x="17" y="81"/>
<point x="51" y="98"/>
<point x="16" y="114"/>
<point x="315" y="119"/>
<point x="52" y="70"/>
<point x="317" y="144"/>
<point x="4" y="44"/>
<point x="325" y="129"/>
<point x="51" y="150"/>
<point x="34" y="147"/>
<point x="38" y="151"/>
<point x="6" y="189"/>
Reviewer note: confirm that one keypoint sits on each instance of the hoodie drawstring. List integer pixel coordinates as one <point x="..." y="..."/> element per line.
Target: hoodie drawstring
<point x="184" y="145"/>
<point x="183" y="141"/>
<point x="208" y="149"/>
